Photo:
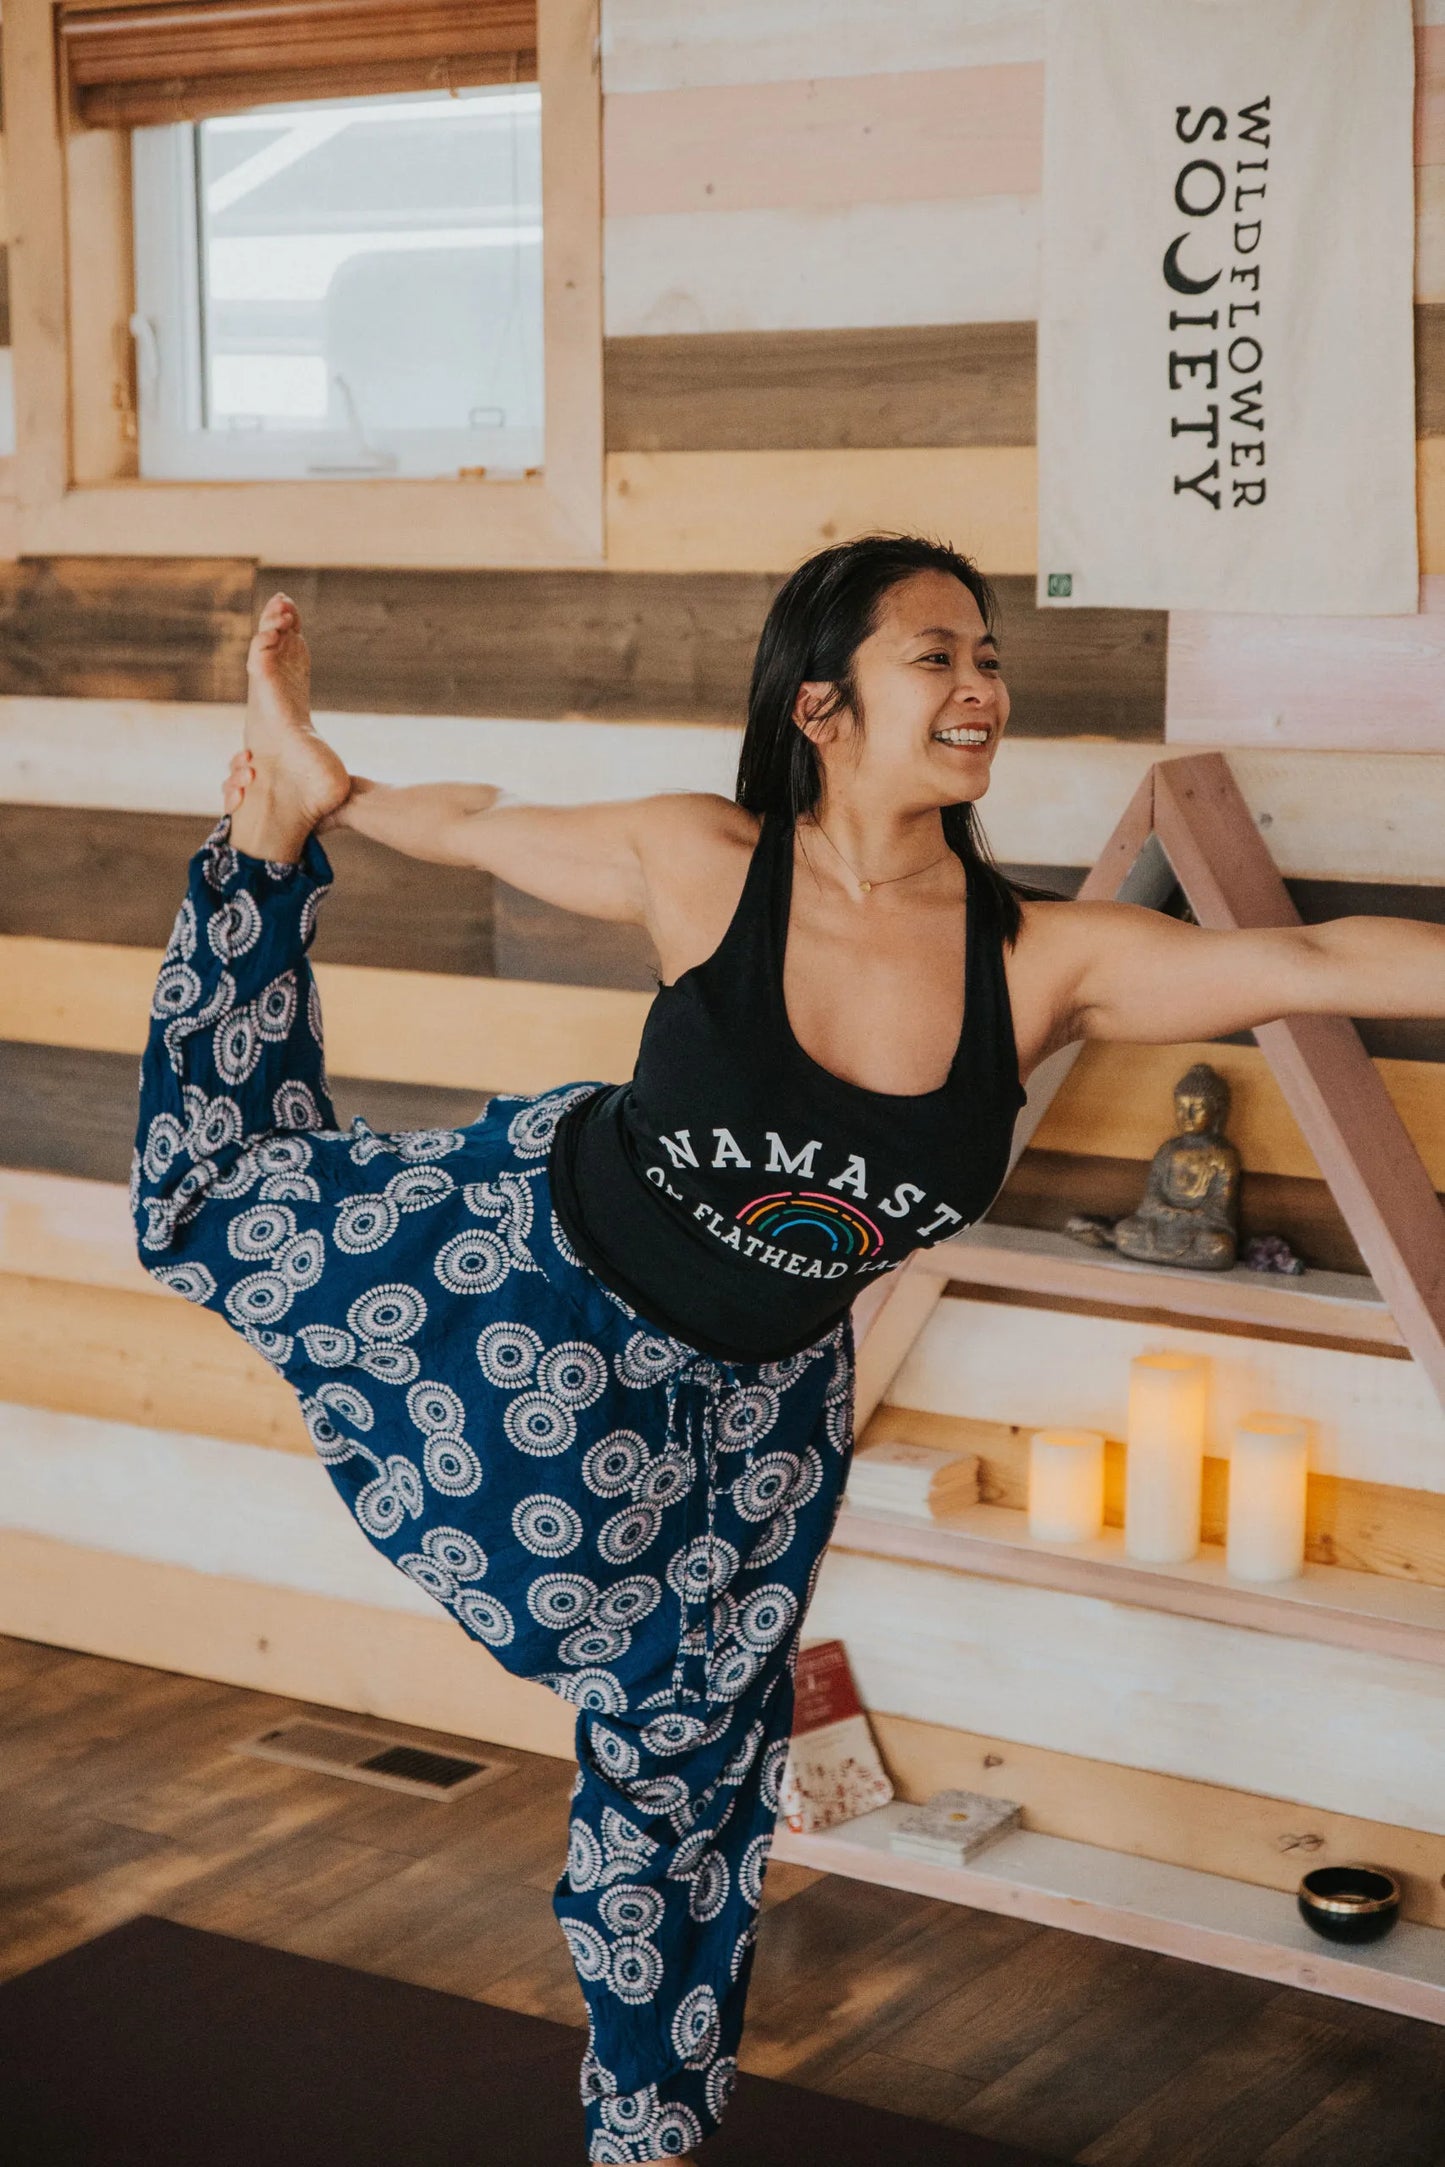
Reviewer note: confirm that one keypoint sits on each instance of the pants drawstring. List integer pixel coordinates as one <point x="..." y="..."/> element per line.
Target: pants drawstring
<point x="694" y="1394"/>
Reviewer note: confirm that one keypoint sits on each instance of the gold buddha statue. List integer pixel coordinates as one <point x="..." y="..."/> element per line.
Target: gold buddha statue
<point x="1189" y="1213"/>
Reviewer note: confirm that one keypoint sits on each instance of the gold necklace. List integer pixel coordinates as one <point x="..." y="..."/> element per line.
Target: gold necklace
<point x="866" y="887"/>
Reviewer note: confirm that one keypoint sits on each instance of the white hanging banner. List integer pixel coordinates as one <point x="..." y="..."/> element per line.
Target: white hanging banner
<point x="1226" y="343"/>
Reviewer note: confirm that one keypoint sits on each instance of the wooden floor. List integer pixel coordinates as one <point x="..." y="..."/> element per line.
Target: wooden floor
<point x="118" y="1795"/>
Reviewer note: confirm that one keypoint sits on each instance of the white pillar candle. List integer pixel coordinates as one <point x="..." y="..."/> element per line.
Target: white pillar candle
<point x="1268" y="1478"/>
<point x="1066" y="1485"/>
<point x="1164" y="1472"/>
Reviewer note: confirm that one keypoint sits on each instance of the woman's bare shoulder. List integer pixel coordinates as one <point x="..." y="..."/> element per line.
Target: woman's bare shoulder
<point x="685" y="818"/>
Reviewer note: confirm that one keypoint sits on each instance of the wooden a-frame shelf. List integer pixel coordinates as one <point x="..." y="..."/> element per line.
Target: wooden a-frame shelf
<point x="1208" y="1918"/>
<point x="1027" y="1260"/>
<point x="1327" y="1603"/>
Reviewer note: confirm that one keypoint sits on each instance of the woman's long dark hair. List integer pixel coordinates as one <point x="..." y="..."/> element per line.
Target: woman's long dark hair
<point x="820" y="617"/>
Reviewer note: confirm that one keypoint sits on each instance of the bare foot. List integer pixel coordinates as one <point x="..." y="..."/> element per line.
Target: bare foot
<point x="294" y="774"/>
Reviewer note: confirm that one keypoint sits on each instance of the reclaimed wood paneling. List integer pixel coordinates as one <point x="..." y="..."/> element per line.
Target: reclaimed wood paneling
<point x="67" y="1111"/>
<point x="544" y="644"/>
<point x="413" y="1027"/>
<point x="1344" y="683"/>
<point x="969" y="261"/>
<point x="970" y="383"/>
<point x="935" y="134"/>
<point x="379" y="1662"/>
<point x="71" y="874"/>
<point x="650" y="47"/>
<point x="125" y="628"/>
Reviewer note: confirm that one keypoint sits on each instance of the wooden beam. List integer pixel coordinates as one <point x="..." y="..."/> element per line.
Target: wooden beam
<point x="1333" y="1089"/>
<point x="399" y="1026"/>
<point x="276" y="1640"/>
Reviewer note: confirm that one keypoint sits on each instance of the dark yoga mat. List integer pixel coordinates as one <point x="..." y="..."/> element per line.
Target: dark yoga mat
<point x="159" y="2046"/>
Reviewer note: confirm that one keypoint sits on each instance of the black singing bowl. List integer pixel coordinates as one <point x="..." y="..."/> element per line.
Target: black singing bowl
<point x="1349" y="1903"/>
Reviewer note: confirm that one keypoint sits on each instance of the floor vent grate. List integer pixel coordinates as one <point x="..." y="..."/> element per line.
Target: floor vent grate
<point x="331" y="1749"/>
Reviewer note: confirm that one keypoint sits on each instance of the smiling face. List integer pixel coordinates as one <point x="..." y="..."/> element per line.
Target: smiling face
<point x="931" y="698"/>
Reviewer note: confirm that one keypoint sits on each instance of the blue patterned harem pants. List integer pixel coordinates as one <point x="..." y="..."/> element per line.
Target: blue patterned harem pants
<point x="609" y="1511"/>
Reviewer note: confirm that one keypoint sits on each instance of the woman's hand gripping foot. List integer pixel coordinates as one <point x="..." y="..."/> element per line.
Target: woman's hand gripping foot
<point x="288" y="781"/>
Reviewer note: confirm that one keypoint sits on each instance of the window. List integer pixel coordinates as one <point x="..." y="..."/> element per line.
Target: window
<point x="234" y="220"/>
<point x="342" y="287"/>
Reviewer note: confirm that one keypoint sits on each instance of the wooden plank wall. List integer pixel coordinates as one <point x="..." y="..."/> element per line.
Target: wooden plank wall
<point x="821" y="283"/>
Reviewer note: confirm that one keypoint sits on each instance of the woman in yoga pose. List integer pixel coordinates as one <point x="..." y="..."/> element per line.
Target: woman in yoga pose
<point x="583" y="1369"/>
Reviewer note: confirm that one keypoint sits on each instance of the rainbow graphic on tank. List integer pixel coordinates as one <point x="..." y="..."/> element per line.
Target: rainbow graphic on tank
<point x="848" y="1231"/>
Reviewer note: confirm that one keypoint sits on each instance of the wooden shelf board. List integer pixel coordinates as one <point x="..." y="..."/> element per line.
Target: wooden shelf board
<point x="1326" y="1603"/>
<point x="1206" y="1918"/>
<point x="1030" y="1260"/>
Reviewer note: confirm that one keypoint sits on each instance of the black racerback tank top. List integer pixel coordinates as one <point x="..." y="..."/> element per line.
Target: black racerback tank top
<point x="740" y="1195"/>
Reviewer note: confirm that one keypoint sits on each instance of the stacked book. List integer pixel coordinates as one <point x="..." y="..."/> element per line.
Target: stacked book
<point x="952" y="1827"/>
<point x="919" y="1481"/>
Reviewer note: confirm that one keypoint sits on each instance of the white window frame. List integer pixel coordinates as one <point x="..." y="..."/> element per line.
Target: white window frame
<point x="174" y="443"/>
<point x="78" y="492"/>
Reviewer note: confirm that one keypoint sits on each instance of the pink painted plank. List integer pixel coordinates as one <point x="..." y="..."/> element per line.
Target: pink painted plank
<point x="940" y="136"/>
<point x="1330" y="1084"/>
<point x="1430" y="95"/>
<point x="1330" y="684"/>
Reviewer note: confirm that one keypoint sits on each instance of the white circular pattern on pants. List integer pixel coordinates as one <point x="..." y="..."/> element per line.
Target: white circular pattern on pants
<point x="236" y="1046"/>
<point x="589" y="1950"/>
<point x="595" y="1690"/>
<point x="660" y="1794"/>
<point x="752" y="1868"/>
<point x="704" y="1566"/>
<point x="747" y="1415"/>
<point x="471" y="1263"/>
<point x="709" y="1891"/>
<point x="183" y="932"/>
<point x="379" y="1507"/>
<point x="591" y="1643"/>
<point x="696" y="2025"/>
<point x="177" y="990"/>
<point x="634" y="1970"/>
<point x="673" y="2130"/>
<point x="418" y="1144"/>
<point x="191" y="1280"/>
<point x="451" y="1465"/>
<point x="344" y="1400"/>
<point x="393" y="1365"/>
<point x="628" y="1533"/>
<point x="667" y="1476"/>
<point x="730" y="1674"/>
<point x="261" y="1231"/>
<point x="303" y="1259"/>
<point x="259" y="1299"/>
<point x="290" y="1189"/>
<point x="584" y="1858"/>
<point x="547" y="1526"/>
<point x="573" y="1372"/>
<point x="721" y="2081"/>
<point x="164" y="1139"/>
<point x="775" y="1540"/>
<point x="435" y="1407"/>
<point x="646" y="1359"/>
<point x="630" y="2113"/>
<point x="459" y="1552"/>
<point x="415" y="1187"/>
<point x="672" y="1733"/>
<point x="771" y="1779"/>
<point x="276" y="1008"/>
<point x="284" y="1154"/>
<point x="427" y="1574"/>
<point x="629" y="1907"/>
<point x="294" y="1107"/>
<point x="539" y="1425"/>
<point x="624" y="1602"/>
<point x="561" y="1599"/>
<point x="235" y="928"/>
<point x="767" y="1616"/>
<point x="485" y="1617"/>
<point x="330" y="1445"/>
<point x="214" y="1125"/>
<point x="508" y="1353"/>
<point x="363" y="1223"/>
<point x="767" y="1486"/>
<point x="389" y="1313"/>
<point x="611" y="1465"/>
<point x="530" y="1132"/>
